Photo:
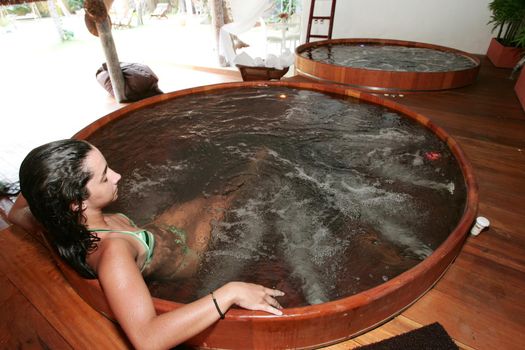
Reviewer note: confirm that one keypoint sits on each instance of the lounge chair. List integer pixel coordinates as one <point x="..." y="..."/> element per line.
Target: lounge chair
<point x="161" y="11"/>
<point x="119" y="21"/>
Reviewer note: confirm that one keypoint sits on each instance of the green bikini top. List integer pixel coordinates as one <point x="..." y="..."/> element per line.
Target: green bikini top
<point x="146" y="238"/>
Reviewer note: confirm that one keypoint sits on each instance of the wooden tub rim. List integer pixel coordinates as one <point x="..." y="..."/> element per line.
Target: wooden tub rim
<point x="395" y="74"/>
<point x="455" y="238"/>
<point x="394" y="42"/>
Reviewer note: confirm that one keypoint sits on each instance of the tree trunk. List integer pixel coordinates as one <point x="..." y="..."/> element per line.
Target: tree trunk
<point x="217" y="21"/>
<point x="112" y="61"/>
<point x="56" y="19"/>
<point x="226" y="11"/>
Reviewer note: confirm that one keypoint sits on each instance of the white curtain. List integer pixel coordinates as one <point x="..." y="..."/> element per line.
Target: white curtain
<point x="245" y="15"/>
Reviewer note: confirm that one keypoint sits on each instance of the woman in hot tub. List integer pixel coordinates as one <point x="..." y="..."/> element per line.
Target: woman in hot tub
<point x="66" y="185"/>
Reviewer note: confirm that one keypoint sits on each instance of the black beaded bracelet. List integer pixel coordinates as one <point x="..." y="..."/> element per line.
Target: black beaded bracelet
<point x="217" y="306"/>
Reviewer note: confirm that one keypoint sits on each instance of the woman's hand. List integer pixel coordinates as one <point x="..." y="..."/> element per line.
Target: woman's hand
<point x="255" y="297"/>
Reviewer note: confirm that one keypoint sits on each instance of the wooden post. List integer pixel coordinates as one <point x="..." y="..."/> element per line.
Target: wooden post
<point x="112" y="62"/>
<point x="98" y="24"/>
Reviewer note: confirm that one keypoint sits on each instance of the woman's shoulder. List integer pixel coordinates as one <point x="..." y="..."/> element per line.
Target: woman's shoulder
<point x="111" y="249"/>
<point x="112" y="245"/>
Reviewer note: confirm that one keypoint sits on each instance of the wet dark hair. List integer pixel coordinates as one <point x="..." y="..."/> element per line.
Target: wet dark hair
<point x="53" y="177"/>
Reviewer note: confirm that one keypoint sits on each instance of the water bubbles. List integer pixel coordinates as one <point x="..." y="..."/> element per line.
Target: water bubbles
<point x="418" y="160"/>
<point x="322" y="192"/>
<point x="389" y="58"/>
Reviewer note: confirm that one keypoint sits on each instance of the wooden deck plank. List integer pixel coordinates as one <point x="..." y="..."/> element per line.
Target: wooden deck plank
<point x="21" y="325"/>
<point x="398" y="325"/>
<point x="475" y="327"/>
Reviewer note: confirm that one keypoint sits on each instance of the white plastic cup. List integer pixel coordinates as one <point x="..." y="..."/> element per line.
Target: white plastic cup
<point x="481" y="223"/>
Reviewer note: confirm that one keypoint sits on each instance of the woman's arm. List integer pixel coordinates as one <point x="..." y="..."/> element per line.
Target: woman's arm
<point x="131" y="302"/>
<point x="20" y="215"/>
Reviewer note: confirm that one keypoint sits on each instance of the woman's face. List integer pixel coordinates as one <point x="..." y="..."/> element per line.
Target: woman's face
<point x="102" y="187"/>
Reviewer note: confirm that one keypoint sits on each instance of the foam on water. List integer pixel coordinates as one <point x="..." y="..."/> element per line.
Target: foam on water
<point x="137" y="183"/>
<point x="242" y="238"/>
<point x="389" y="57"/>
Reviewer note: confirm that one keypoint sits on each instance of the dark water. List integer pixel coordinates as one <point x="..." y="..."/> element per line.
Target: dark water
<point x="335" y="195"/>
<point x="389" y="58"/>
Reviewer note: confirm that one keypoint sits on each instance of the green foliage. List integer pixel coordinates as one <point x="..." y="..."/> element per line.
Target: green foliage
<point x="283" y="10"/>
<point x="68" y="35"/>
<point x="288" y="6"/>
<point x="519" y="40"/>
<point x="43" y="8"/>
<point x="508" y="18"/>
<point x="75" y="5"/>
<point x="19" y="10"/>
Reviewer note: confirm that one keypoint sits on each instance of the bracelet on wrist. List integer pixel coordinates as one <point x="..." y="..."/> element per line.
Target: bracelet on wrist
<point x="217" y="306"/>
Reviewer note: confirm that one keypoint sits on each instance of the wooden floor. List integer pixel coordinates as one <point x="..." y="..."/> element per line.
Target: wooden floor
<point x="480" y="301"/>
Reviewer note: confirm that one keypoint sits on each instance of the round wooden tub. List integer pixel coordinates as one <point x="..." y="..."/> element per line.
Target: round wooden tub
<point x="384" y="79"/>
<point x="322" y="324"/>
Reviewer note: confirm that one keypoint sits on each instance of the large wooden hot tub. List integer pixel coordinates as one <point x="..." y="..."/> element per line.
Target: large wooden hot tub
<point x="309" y="326"/>
<point x="382" y="77"/>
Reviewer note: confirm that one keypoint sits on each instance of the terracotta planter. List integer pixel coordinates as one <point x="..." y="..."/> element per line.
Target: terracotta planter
<point x="503" y="56"/>
<point x="519" y="88"/>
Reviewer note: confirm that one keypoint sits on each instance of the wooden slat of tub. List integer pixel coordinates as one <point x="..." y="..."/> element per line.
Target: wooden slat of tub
<point x="29" y="267"/>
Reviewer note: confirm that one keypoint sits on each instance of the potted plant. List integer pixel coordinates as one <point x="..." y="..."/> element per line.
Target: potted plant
<point x="508" y="19"/>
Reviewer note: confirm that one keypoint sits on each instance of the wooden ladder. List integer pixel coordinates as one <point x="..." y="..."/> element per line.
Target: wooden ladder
<point x="314" y="18"/>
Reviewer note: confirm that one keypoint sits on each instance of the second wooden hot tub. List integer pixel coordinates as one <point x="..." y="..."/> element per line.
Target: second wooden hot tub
<point x="386" y="65"/>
